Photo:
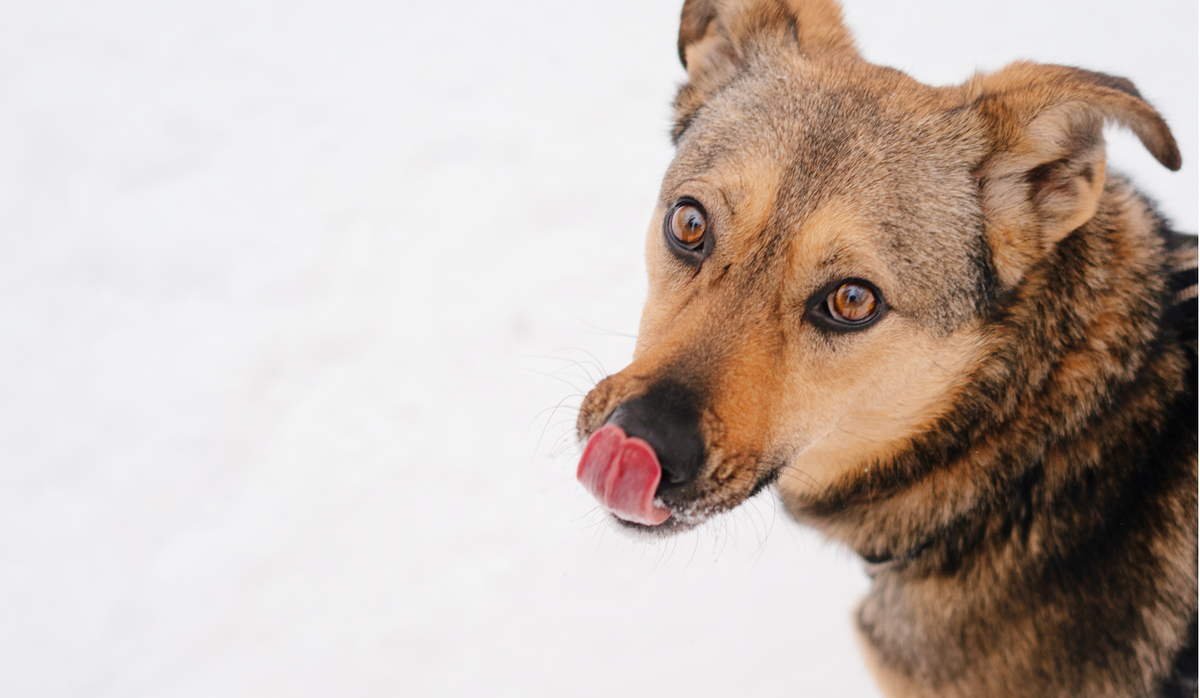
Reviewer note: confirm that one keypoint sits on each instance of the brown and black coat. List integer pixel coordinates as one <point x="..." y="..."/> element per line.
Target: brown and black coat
<point x="1010" y="442"/>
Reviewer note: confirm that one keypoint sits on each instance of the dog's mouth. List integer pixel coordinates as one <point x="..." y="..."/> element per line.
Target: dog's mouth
<point x="624" y="474"/>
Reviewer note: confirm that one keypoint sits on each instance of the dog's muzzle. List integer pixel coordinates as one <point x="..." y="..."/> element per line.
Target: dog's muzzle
<point x="649" y="446"/>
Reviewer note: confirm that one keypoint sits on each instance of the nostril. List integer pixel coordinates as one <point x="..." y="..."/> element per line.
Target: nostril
<point x="668" y="418"/>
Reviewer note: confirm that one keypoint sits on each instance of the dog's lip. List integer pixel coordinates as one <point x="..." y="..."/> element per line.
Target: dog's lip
<point x="622" y="472"/>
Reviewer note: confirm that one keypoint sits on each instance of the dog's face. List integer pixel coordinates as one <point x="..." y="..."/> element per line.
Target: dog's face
<point x="825" y="248"/>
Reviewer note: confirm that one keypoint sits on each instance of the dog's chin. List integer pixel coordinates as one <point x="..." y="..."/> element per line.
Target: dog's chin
<point x="674" y="525"/>
<point x="688" y="515"/>
<point x="684" y="518"/>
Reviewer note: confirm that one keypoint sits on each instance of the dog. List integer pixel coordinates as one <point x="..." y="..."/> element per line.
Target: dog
<point x="945" y="333"/>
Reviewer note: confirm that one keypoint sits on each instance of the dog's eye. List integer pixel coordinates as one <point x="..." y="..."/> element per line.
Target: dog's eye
<point x="853" y="303"/>
<point x="687" y="224"/>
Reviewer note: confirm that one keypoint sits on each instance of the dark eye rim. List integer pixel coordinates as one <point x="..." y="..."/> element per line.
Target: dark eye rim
<point x="817" y="307"/>
<point x="691" y="255"/>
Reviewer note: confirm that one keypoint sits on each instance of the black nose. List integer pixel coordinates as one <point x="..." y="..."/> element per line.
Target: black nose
<point x="668" y="418"/>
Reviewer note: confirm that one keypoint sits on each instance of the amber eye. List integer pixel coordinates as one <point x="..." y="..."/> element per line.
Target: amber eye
<point x="853" y="303"/>
<point x="687" y="224"/>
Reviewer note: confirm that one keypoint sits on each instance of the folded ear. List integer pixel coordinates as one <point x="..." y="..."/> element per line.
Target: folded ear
<point x="1046" y="170"/>
<point x="717" y="37"/>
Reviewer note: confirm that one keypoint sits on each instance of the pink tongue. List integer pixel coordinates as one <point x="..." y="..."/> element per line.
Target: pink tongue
<point x="623" y="473"/>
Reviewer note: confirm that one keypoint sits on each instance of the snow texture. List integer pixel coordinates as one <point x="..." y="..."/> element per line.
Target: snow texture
<point x="298" y="299"/>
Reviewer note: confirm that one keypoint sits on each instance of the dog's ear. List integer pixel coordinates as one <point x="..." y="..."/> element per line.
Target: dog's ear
<point x="716" y="38"/>
<point x="1045" y="172"/>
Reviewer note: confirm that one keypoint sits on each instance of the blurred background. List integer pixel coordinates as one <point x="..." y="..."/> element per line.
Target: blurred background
<point x="297" y="302"/>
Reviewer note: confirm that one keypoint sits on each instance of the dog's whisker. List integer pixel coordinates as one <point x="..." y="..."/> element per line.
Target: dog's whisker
<point x="590" y="355"/>
<point x="584" y="374"/>
<point x="602" y="330"/>
<point x="560" y="379"/>
<point x="553" y="408"/>
<point x="587" y="366"/>
<point x="695" y="547"/>
<point x="547" y="426"/>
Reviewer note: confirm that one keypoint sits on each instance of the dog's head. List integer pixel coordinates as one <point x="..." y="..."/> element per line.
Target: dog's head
<point x="825" y="250"/>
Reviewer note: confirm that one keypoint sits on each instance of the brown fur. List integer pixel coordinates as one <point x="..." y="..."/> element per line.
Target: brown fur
<point x="1013" y="445"/>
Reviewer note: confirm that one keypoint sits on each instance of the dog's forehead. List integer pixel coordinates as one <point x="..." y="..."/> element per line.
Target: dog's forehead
<point x="799" y="138"/>
<point x="821" y="122"/>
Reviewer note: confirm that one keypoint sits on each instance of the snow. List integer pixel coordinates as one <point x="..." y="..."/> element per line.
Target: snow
<point x="298" y="299"/>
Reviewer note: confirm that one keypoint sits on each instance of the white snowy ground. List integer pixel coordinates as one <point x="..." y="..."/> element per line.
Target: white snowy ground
<point x="287" y="294"/>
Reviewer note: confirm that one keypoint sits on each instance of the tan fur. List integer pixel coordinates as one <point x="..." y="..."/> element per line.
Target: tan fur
<point x="983" y="441"/>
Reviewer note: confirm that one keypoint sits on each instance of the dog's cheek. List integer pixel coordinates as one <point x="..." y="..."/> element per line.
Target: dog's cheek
<point x="860" y="407"/>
